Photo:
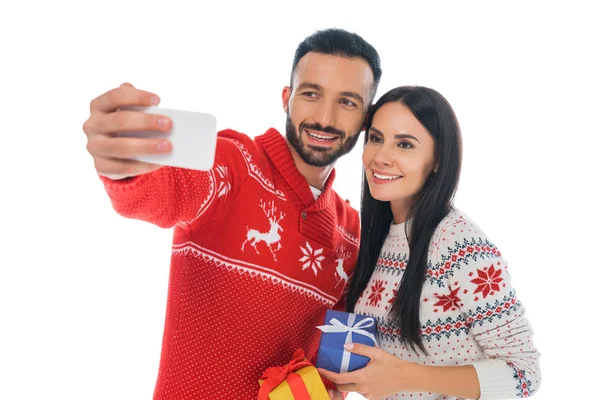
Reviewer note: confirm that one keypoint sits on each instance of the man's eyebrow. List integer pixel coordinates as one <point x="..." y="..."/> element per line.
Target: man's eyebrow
<point x="310" y="85"/>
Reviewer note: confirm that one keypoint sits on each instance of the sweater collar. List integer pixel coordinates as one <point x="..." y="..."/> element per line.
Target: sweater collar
<point x="279" y="153"/>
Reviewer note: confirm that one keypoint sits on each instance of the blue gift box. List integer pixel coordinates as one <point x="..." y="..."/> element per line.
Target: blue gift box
<point x="341" y="328"/>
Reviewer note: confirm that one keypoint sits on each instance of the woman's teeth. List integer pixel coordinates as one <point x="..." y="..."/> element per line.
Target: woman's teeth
<point x="386" y="177"/>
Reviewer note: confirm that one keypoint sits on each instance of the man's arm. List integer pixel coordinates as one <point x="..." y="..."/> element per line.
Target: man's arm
<point x="160" y="195"/>
<point x="170" y="195"/>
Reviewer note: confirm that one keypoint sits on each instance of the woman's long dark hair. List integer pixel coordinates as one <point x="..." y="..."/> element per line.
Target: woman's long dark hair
<point x="431" y="205"/>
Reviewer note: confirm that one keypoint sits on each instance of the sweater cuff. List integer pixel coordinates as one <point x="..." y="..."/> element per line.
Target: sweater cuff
<point x="123" y="185"/>
<point x="495" y="379"/>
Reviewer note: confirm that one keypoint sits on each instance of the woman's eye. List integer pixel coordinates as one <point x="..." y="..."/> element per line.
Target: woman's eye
<point x="374" y="138"/>
<point x="405" y="145"/>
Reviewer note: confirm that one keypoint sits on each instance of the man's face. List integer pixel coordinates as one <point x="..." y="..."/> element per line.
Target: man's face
<point x="326" y="106"/>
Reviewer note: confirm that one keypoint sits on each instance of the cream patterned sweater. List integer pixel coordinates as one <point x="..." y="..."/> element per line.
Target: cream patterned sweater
<point x="469" y="310"/>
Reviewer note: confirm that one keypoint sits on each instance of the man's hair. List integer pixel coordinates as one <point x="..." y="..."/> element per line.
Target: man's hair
<point x="338" y="42"/>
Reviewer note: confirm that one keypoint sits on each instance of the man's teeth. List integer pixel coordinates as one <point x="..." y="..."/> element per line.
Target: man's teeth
<point x="386" y="177"/>
<point x="320" y="137"/>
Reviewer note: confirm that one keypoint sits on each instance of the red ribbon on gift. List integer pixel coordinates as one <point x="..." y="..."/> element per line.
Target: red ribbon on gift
<point x="274" y="376"/>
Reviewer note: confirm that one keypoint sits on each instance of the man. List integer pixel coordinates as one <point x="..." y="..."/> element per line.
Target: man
<point x="262" y="244"/>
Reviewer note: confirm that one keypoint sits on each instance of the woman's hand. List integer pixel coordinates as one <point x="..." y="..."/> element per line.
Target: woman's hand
<point x="385" y="374"/>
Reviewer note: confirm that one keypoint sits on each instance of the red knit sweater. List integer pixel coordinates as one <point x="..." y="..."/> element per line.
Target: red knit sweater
<point x="256" y="262"/>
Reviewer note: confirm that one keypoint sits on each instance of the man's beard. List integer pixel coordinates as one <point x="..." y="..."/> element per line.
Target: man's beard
<point x="314" y="155"/>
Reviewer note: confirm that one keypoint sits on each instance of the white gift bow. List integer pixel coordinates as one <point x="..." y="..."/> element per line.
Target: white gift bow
<point x="335" y="326"/>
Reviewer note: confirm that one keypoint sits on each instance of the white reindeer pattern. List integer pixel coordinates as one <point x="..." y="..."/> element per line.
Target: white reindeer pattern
<point x="254" y="236"/>
<point x="340" y="273"/>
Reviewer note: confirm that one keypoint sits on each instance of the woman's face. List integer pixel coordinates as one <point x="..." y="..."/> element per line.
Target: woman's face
<point x="398" y="157"/>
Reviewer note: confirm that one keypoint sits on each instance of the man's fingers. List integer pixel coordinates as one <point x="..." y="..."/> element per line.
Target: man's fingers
<point x="133" y="121"/>
<point x="334" y="394"/>
<point x="114" y="154"/>
<point x="126" y="121"/>
<point x="332" y="376"/>
<point x="123" y="96"/>
<point x="126" y="148"/>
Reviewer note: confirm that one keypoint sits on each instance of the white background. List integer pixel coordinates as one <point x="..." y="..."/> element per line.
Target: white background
<point x="83" y="291"/>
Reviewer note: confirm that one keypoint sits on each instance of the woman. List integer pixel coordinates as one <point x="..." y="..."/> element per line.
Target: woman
<point x="449" y="324"/>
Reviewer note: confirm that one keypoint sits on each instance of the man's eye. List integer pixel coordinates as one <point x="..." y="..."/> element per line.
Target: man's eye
<point x="348" y="103"/>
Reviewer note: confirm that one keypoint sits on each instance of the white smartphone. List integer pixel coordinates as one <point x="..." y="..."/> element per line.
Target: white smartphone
<point x="194" y="139"/>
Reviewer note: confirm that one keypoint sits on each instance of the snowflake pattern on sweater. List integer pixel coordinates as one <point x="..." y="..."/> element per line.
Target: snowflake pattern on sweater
<point x="469" y="311"/>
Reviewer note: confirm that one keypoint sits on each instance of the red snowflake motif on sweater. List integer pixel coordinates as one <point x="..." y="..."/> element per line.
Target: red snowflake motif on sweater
<point x="448" y="301"/>
<point x="392" y="298"/>
<point x="487" y="281"/>
<point x="376" y="290"/>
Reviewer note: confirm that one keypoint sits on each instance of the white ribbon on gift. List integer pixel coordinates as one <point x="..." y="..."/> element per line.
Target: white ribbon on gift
<point x="335" y="326"/>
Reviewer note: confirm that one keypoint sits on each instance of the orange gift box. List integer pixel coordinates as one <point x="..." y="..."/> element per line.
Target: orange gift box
<point x="298" y="380"/>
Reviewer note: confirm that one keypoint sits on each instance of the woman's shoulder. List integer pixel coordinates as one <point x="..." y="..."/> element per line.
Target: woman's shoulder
<point x="457" y="229"/>
<point x="458" y="222"/>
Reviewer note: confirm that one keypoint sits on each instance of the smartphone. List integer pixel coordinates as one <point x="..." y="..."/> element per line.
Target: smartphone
<point x="193" y="135"/>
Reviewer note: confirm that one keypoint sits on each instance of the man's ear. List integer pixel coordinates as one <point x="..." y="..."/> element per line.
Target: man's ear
<point x="369" y="111"/>
<point x="285" y="97"/>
